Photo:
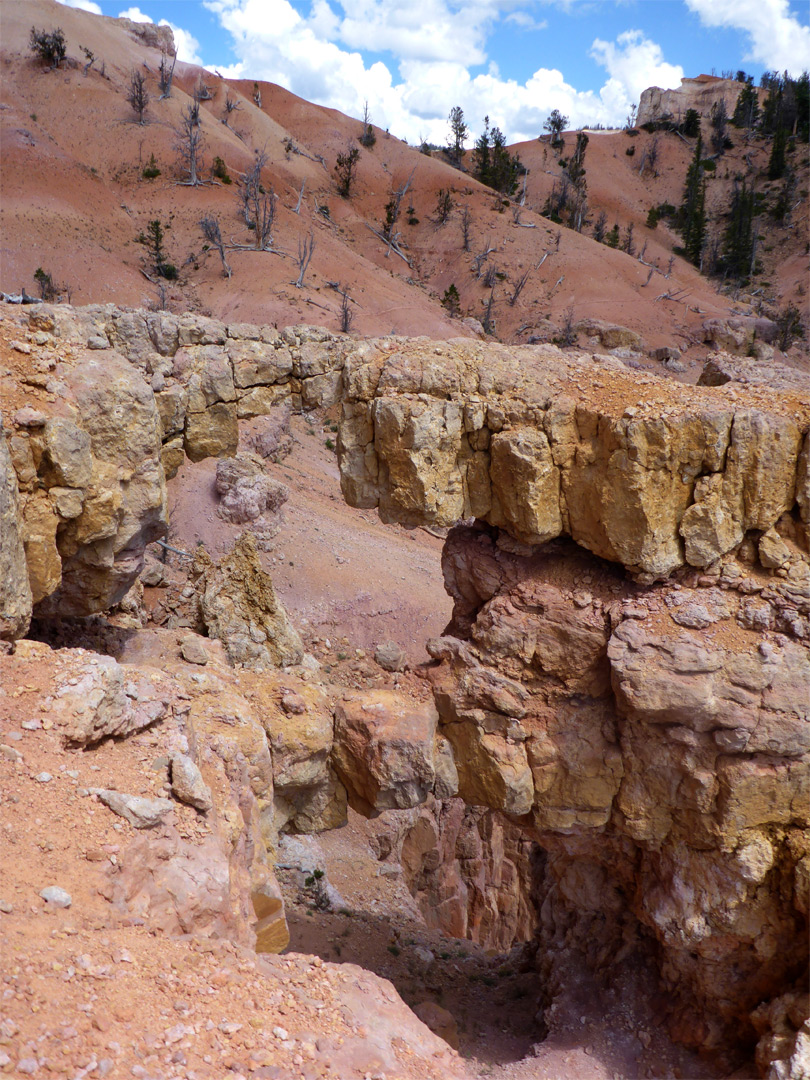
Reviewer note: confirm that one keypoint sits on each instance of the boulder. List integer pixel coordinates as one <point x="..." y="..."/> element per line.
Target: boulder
<point x="384" y="750"/>
<point x="15" y="590"/>
<point x="239" y="606"/>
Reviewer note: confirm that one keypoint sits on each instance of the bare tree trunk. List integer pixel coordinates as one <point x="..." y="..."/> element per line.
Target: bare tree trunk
<point x="305" y="250"/>
<point x="211" y="232"/>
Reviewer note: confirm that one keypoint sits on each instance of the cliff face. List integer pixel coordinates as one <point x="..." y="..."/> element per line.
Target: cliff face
<point x="655" y="742"/>
<point x="626" y="676"/>
<point x="701" y="93"/>
<point x="541" y="445"/>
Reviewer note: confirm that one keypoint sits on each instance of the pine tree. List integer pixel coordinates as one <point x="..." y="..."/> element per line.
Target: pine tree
<point x="738" y="239"/>
<point x="493" y="164"/>
<point x="691" y="123"/>
<point x="482" y="162"/>
<point x="692" y="212"/>
<point x="458" y="132"/>
<point x="746" y="111"/>
<point x="777" y="160"/>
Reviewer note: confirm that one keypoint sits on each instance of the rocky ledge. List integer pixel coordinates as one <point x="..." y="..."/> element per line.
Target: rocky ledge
<point x="625" y="680"/>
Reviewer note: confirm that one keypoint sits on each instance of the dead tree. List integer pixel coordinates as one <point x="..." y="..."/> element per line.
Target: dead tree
<point x="568" y="334"/>
<point x="231" y="106"/>
<point x="649" y="157"/>
<point x="258" y="206"/>
<point x="166" y="76"/>
<point x="305" y="250"/>
<point x="257" y="95"/>
<point x="300" y="197"/>
<point x="346" y="313"/>
<point x="390" y="233"/>
<point x="211" y="232"/>
<point x="519" y="286"/>
<point x="90" y="57"/>
<point x="138" y="95"/>
<point x="488" y="321"/>
<point x="466" y="225"/>
<point x="480" y="259"/>
<point x="202" y="92"/>
<point x="189" y="144"/>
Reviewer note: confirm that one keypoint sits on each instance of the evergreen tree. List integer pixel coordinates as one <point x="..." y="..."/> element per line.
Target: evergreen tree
<point x="777" y="160"/>
<point x="493" y="164"/>
<point x="719" y="122"/>
<point x="505" y="169"/>
<point x="555" y="124"/>
<point x="738" y="239"/>
<point x="803" y="107"/>
<point x="691" y="123"/>
<point x="458" y="133"/>
<point x="692" y="212"/>
<point x="482" y="158"/>
<point x="746" y="111"/>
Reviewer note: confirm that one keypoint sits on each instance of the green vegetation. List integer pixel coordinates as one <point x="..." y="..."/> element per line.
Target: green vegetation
<point x="49" y="45"/>
<point x="346" y="169"/>
<point x="220" y="171"/>
<point x="493" y="165"/>
<point x="691" y="219"/>
<point x="152" y="240"/>
<point x="451" y="301"/>
<point x="150" y="170"/>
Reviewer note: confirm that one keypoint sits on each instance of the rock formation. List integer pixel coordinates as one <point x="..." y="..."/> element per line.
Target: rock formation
<point x="664" y="771"/>
<point x="542" y="445"/>
<point x="700" y="93"/>
<point x="625" y="679"/>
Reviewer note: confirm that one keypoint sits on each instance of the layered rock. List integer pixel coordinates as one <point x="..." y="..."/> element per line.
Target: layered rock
<point x="238" y="605"/>
<point x="542" y="445"/>
<point x="15" y="591"/>
<point x="91" y="486"/>
<point x="701" y="93"/>
<point x="655" y="742"/>
<point x="207" y="375"/>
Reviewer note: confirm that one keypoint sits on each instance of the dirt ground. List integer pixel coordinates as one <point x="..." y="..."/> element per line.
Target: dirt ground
<point x="348" y="581"/>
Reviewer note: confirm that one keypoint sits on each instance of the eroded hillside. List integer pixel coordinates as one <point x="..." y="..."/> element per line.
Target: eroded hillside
<point x="76" y="199"/>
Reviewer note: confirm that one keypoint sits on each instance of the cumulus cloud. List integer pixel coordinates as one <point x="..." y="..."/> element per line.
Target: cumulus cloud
<point x="83" y="5"/>
<point x="635" y="62"/>
<point x="777" y="38"/>
<point x="135" y="14"/>
<point x="436" y="44"/>
<point x="186" y="44"/>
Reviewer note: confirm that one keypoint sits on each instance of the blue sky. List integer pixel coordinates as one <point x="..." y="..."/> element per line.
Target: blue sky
<point x="512" y="59"/>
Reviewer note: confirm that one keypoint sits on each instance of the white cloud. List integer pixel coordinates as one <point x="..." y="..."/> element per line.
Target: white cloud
<point x="135" y="14"/>
<point x="83" y="5"/>
<point x="186" y="44"/>
<point x="635" y="63"/>
<point x="525" y="21"/>
<point x="435" y="43"/>
<point x="778" y="39"/>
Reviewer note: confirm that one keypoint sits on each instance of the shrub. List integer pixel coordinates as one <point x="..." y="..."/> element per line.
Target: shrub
<point x="50" y="46"/>
<point x="47" y="289"/>
<point x="346" y="169"/>
<point x="152" y="240"/>
<point x="653" y="217"/>
<point x="220" y="171"/>
<point x="150" y="170"/>
<point x="451" y="301"/>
